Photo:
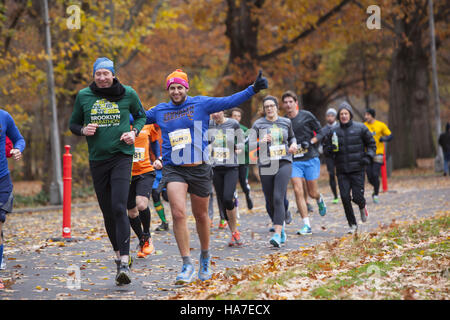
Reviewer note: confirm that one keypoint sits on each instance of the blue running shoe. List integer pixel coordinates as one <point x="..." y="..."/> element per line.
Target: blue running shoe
<point x="322" y="206"/>
<point x="276" y="240"/>
<point x="306" y="230"/>
<point x="205" y="272"/>
<point x="186" y="274"/>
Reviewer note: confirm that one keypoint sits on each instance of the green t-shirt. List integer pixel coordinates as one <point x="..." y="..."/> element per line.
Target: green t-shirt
<point x="113" y="119"/>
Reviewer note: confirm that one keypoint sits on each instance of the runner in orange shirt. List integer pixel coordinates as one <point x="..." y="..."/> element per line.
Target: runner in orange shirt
<point x="143" y="174"/>
<point x="156" y="193"/>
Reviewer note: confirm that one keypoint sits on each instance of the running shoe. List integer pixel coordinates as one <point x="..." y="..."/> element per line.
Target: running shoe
<point x="322" y="206"/>
<point x="353" y="229"/>
<point x="375" y="199"/>
<point x="272" y="229"/>
<point x="275" y="240"/>
<point x="123" y="274"/>
<point x="140" y="254"/>
<point x="130" y="263"/>
<point x="310" y="207"/>
<point x="186" y="274"/>
<point x="205" y="272"/>
<point x="306" y="230"/>
<point x="236" y="240"/>
<point x="335" y="200"/>
<point x="164" y="226"/>
<point x="223" y="224"/>
<point x="364" y="214"/>
<point x="249" y="201"/>
<point x="148" y="248"/>
<point x="3" y="264"/>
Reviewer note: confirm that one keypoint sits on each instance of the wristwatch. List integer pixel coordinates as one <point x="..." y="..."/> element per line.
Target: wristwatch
<point x="136" y="132"/>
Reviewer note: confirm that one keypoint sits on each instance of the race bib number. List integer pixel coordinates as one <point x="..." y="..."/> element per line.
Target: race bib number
<point x="221" y="154"/>
<point x="300" y="152"/>
<point x="139" y="154"/>
<point x="277" y="152"/>
<point x="180" y="138"/>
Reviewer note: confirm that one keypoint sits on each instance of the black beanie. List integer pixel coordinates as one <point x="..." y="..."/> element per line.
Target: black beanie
<point x="371" y="112"/>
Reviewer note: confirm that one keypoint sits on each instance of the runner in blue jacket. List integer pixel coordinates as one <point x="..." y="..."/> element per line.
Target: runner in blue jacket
<point x="184" y="123"/>
<point x="7" y="128"/>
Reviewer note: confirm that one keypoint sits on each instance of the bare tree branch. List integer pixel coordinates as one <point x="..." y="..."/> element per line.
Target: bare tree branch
<point x="136" y="51"/>
<point x="284" y="48"/>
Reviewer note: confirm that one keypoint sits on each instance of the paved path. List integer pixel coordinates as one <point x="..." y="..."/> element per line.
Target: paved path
<point x="40" y="269"/>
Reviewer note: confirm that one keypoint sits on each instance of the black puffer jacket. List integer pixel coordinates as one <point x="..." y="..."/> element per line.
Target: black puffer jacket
<point x="355" y="144"/>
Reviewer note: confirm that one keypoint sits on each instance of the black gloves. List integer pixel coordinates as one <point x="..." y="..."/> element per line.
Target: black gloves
<point x="305" y="145"/>
<point x="260" y="83"/>
<point x="386" y="138"/>
<point x="366" y="160"/>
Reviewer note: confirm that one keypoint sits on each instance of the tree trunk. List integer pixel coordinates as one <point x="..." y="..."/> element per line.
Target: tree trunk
<point x="409" y="111"/>
<point x="242" y="32"/>
<point x="314" y="99"/>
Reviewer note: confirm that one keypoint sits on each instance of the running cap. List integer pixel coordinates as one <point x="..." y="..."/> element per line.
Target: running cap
<point x="103" y="63"/>
<point x="178" y="76"/>
<point x="331" y="111"/>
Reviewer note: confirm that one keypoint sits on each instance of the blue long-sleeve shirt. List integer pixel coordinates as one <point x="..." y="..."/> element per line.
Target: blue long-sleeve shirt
<point x="8" y="128"/>
<point x="184" y="127"/>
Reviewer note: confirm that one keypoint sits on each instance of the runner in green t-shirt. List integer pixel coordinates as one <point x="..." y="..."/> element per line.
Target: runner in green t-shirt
<point x="102" y="114"/>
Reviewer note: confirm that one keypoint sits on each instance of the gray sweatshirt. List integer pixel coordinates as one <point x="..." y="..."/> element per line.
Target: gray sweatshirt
<point x="282" y="137"/>
<point x="224" y="139"/>
<point x="304" y="126"/>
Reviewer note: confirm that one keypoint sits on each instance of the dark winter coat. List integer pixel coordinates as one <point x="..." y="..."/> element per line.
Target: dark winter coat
<point x="444" y="139"/>
<point x="356" y="145"/>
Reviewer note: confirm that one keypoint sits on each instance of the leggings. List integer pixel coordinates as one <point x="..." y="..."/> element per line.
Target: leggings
<point x="111" y="179"/>
<point x="331" y="169"/>
<point x="351" y="183"/>
<point x="373" y="175"/>
<point x="225" y="180"/>
<point x="274" y="188"/>
<point x="286" y="207"/>
<point x="243" y="178"/>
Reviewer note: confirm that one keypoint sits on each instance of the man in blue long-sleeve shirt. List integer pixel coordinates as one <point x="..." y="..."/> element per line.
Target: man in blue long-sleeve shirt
<point x="184" y="122"/>
<point x="7" y="128"/>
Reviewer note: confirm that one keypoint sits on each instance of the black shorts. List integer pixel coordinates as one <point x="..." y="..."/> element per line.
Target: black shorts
<point x="140" y="185"/>
<point x="6" y="197"/>
<point x="198" y="178"/>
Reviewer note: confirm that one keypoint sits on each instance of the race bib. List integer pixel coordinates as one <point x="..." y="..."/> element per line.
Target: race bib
<point x="300" y="152"/>
<point x="180" y="138"/>
<point x="139" y="154"/>
<point x="277" y="152"/>
<point x="221" y="154"/>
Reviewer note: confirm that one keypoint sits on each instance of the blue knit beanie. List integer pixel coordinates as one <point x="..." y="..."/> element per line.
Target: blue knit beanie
<point x="103" y="63"/>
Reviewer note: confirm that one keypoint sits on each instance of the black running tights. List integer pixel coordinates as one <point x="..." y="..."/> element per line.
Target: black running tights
<point x="111" y="179"/>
